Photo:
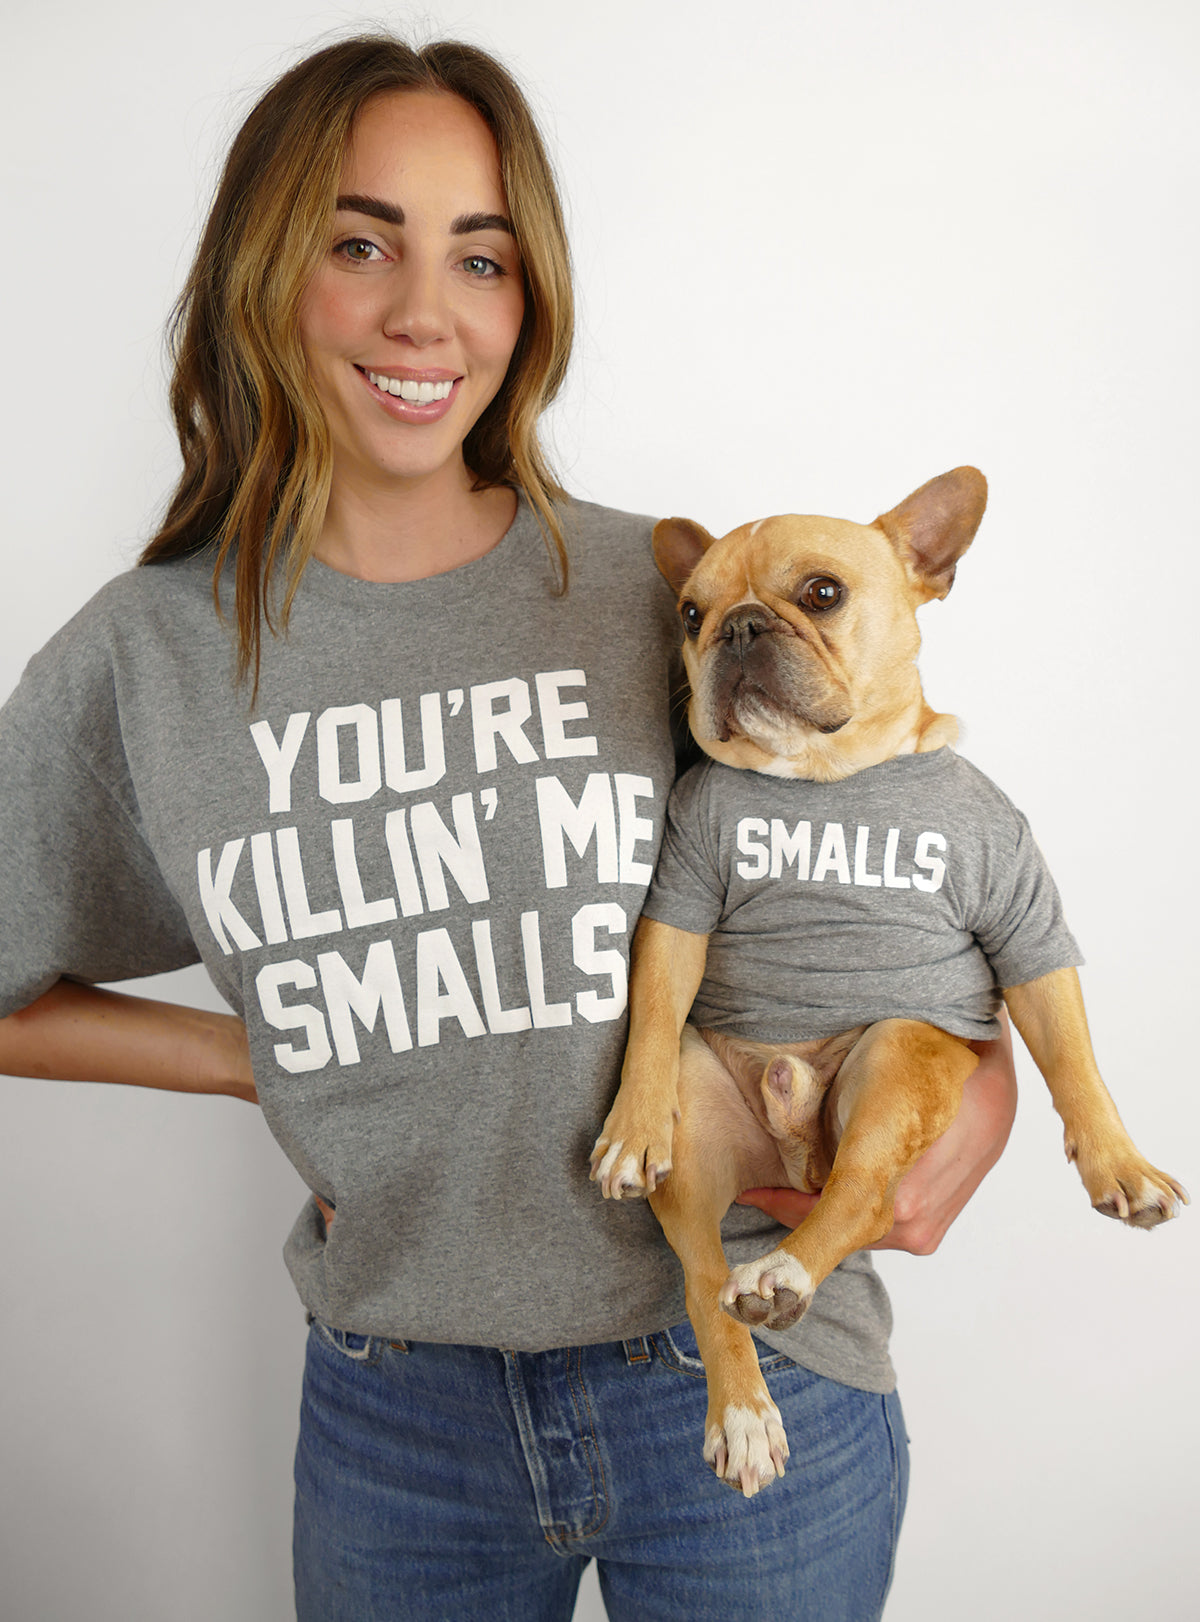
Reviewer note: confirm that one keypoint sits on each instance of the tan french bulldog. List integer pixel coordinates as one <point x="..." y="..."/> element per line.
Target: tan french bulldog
<point x="800" y="641"/>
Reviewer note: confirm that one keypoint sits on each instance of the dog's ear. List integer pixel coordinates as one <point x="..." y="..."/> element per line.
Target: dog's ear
<point x="679" y="544"/>
<point x="932" y="528"/>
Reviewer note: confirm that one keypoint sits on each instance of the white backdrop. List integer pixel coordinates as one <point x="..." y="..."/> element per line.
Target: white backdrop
<point x="825" y="252"/>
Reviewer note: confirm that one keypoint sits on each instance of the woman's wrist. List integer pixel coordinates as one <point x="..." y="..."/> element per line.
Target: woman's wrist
<point x="218" y="1047"/>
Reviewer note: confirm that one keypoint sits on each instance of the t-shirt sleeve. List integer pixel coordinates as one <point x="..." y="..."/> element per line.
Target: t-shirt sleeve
<point x="688" y="889"/>
<point x="1021" y="927"/>
<point x="81" y="895"/>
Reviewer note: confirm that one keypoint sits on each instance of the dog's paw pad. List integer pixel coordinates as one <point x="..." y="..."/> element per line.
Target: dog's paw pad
<point x="788" y="1308"/>
<point x="751" y="1309"/>
<point x="747" y="1446"/>
<point x="773" y="1292"/>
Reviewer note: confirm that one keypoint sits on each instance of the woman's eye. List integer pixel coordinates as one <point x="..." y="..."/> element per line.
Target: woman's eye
<point x="692" y="618"/>
<point x="478" y="264"/>
<point x="820" y="593"/>
<point x="357" y="250"/>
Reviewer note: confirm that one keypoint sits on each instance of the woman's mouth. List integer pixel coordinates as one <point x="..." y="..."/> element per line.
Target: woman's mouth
<point x="407" y="388"/>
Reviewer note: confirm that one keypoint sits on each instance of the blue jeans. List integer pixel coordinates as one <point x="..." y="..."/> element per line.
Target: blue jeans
<point x="465" y="1482"/>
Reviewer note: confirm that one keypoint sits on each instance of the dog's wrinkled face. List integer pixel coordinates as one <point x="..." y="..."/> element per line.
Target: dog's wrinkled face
<point x="800" y="633"/>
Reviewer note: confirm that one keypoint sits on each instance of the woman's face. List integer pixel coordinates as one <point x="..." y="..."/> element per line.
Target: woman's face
<point x="410" y="322"/>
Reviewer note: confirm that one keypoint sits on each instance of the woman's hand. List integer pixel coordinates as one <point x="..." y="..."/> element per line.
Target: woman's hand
<point x="937" y="1188"/>
<point x="85" y="1033"/>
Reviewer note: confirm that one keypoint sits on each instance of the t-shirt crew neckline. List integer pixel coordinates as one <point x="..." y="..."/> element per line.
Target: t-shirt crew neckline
<point x="928" y="762"/>
<point x="466" y="580"/>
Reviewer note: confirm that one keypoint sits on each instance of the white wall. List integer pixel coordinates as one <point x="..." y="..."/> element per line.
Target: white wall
<point x="825" y="251"/>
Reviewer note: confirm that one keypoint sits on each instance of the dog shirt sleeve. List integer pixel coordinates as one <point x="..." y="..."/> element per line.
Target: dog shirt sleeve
<point x="688" y="890"/>
<point x="1020" y="924"/>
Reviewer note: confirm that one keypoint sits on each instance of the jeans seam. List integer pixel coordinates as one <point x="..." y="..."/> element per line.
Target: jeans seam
<point x="602" y="1499"/>
<point x="526" y="1435"/>
<point x="895" y="1505"/>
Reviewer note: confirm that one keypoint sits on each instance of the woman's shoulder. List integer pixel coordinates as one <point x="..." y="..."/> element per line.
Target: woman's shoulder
<point x="130" y="615"/>
<point x="611" y="561"/>
<point x="589" y="526"/>
<point x="146" y="590"/>
<point x="139" y="600"/>
<point x="612" y="518"/>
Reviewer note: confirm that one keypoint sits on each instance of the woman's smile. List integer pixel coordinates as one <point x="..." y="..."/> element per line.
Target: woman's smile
<point x="415" y="391"/>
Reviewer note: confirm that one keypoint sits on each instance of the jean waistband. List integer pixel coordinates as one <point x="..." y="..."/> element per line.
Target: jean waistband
<point x="637" y="1350"/>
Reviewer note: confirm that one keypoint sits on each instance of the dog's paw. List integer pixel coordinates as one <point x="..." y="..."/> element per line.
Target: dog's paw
<point x="771" y="1293"/>
<point x="632" y="1155"/>
<point x="747" y="1446"/>
<point x="1133" y="1191"/>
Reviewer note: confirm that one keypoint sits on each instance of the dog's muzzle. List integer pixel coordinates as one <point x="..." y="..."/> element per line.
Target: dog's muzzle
<point x="757" y="659"/>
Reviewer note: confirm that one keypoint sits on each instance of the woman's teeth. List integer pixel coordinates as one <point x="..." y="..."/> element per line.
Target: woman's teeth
<point x="408" y="388"/>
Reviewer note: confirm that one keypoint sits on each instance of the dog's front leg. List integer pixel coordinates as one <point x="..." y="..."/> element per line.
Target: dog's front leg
<point x="744" y="1438"/>
<point x="632" y="1155"/>
<point x="897" y="1092"/>
<point x="1050" y="1016"/>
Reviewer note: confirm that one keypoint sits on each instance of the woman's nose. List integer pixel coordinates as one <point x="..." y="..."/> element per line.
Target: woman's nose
<point x="419" y="309"/>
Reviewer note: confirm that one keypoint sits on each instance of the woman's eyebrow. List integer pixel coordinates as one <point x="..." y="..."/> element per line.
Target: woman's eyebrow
<point x="467" y="224"/>
<point x="392" y="214"/>
<point x="356" y="203"/>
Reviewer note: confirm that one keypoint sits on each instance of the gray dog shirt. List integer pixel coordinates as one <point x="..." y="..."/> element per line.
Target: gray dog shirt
<point x="912" y="889"/>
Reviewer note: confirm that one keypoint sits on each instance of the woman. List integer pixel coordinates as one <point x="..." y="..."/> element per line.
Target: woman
<point x="408" y="831"/>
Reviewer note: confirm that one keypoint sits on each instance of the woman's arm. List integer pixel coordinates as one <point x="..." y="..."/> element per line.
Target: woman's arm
<point x="83" y="1033"/>
<point x="943" y="1180"/>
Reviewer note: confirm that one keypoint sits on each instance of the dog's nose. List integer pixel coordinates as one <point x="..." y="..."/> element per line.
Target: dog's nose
<point x="745" y="624"/>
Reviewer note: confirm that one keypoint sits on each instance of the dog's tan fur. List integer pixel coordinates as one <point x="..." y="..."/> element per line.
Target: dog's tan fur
<point x="782" y="687"/>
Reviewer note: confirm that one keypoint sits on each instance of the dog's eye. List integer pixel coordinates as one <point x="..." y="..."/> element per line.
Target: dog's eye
<point x="820" y="593"/>
<point x="692" y="618"/>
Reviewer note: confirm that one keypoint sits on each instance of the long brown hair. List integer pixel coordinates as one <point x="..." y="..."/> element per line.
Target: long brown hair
<point x="257" y="459"/>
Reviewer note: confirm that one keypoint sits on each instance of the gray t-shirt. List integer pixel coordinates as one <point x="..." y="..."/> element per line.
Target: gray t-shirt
<point x="913" y="889"/>
<point x="413" y="870"/>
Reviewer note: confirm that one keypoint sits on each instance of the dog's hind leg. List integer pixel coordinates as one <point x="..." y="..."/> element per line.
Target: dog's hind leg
<point x="896" y="1093"/>
<point x="744" y="1438"/>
